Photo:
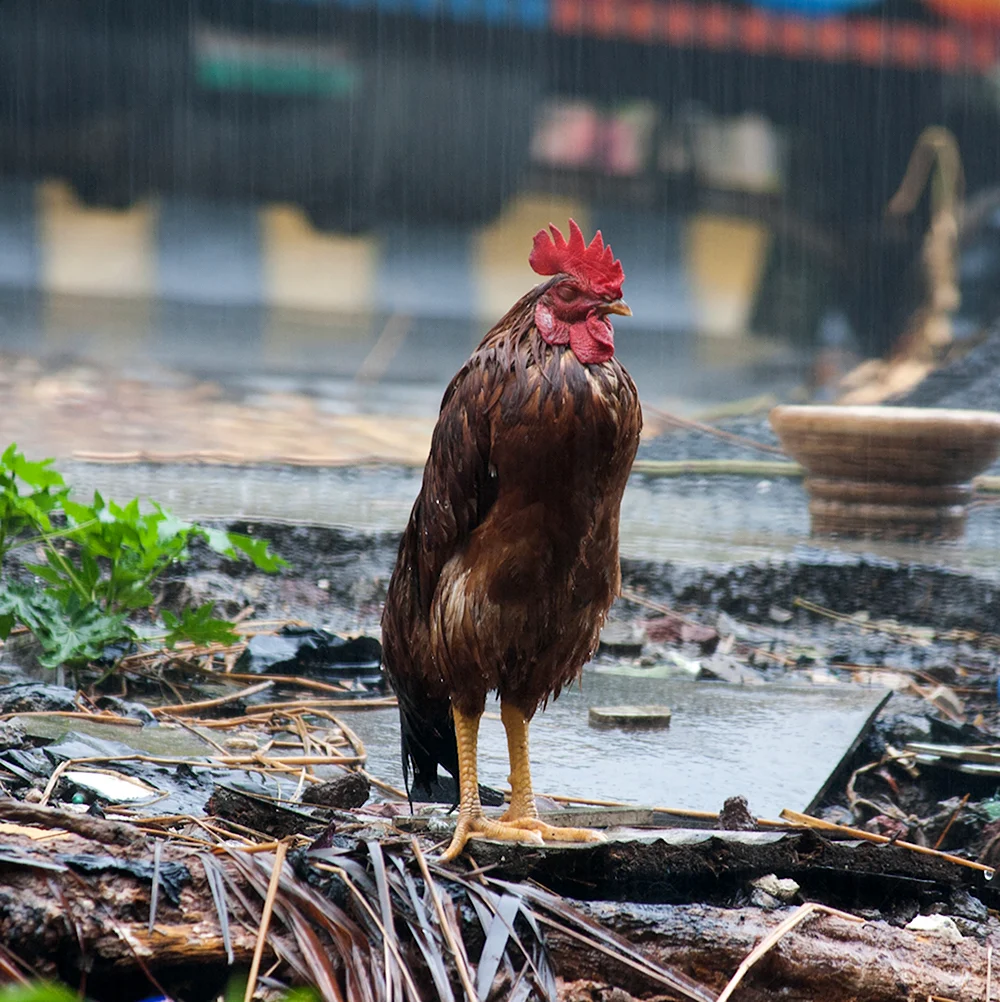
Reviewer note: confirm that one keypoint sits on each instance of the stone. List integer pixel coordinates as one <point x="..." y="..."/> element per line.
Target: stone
<point x="345" y="792"/>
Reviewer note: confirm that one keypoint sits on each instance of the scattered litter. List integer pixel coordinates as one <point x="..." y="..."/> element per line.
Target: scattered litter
<point x="621" y="641"/>
<point x="110" y="786"/>
<point x="759" y="898"/>
<point x="677" y="629"/>
<point x="728" y="669"/>
<point x="783" y="888"/>
<point x="36" y="697"/>
<point x="944" y="699"/>
<point x="301" y="650"/>
<point x="972" y="759"/>
<point x="11" y="734"/>
<point x="687" y="665"/>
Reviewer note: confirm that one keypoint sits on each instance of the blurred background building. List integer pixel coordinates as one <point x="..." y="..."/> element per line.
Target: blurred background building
<point x="304" y="185"/>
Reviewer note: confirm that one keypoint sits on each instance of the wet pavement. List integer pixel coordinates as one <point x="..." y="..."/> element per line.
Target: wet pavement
<point x="124" y="384"/>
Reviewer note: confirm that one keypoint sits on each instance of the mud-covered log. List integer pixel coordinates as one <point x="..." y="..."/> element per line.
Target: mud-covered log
<point x="109" y="832"/>
<point x="826" y="957"/>
<point x="62" y="919"/>
<point x="62" y="915"/>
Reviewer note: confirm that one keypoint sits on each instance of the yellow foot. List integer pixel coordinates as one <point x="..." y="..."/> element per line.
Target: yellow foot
<point x="529" y="830"/>
<point x="550" y="833"/>
<point x="483" y="827"/>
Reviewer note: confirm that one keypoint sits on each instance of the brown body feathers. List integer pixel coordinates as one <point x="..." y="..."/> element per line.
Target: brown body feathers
<point x="509" y="562"/>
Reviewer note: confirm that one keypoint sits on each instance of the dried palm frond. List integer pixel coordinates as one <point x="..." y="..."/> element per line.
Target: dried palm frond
<point x="379" y="923"/>
<point x="216" y="885"/>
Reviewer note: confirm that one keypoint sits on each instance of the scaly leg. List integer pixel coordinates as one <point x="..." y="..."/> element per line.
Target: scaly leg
<point x="471" y="820"/>
<point x="522" y="813"/>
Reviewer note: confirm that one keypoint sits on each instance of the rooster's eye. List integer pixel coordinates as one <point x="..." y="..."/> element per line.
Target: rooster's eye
<point x="567" y="293"/>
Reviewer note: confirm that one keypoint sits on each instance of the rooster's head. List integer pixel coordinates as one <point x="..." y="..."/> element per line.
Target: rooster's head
<point x="575" y="308"/>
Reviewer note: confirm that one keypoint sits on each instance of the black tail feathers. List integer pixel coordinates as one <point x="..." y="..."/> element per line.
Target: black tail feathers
<point x="427" y="741"/>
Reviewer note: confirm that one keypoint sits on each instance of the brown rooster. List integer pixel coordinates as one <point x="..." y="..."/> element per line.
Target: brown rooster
<point x="509" y="562"/>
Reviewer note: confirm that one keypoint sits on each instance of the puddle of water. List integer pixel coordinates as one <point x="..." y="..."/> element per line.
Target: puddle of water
<point x="776" y="746"/>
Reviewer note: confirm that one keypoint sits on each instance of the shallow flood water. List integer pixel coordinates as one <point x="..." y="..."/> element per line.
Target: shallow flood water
<point x="774" y="745"/>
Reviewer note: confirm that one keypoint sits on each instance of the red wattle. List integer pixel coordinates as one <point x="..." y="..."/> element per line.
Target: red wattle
<point x="593" y="341"/>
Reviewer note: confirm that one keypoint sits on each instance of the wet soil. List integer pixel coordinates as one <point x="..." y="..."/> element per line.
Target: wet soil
<point x="884" y="881"/>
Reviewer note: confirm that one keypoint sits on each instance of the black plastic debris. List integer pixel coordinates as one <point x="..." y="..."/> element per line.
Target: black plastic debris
<point x="83" y="746"/>
<point x="137" y="711"/>
<point x="11" y="734"/>
<point x="34" y="697"/>
<point x="26" y="763"/>
<point x="303" y="650"/>
<point x="173" y="876"/>
<point x="14" y="855"/>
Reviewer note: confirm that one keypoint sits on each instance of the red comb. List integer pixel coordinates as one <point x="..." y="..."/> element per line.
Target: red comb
<point x="594" y="266"/>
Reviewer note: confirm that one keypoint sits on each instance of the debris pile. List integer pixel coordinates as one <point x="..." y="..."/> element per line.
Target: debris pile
<point x="229" y="819"/>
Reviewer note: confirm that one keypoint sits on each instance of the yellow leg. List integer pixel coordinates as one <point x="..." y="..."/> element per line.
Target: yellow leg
<point x="522" y="799"/>
<point x="522" y="815"/>
<point x="471" y="820"/>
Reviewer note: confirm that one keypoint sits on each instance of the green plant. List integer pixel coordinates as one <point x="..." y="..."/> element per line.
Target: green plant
<point x="99" y="566"/>
<point x="28" y="494"/>
<point x="198" y="626"/>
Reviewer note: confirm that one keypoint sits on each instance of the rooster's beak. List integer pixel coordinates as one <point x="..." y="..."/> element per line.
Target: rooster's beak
<point x="619" y="306"/>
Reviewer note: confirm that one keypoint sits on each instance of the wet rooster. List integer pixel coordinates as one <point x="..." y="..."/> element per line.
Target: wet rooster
<point x="509" y="562"/>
